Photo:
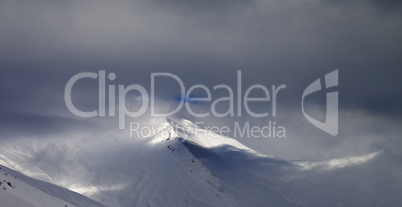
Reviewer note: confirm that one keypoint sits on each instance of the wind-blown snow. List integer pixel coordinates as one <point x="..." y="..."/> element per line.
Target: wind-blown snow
<point x="337" y="163"/>
<point x="184" y="165"/>
<point x="20" y="191"/>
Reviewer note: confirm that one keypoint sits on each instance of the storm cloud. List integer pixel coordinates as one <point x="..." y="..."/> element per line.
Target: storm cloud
<point x="45" y="43"/>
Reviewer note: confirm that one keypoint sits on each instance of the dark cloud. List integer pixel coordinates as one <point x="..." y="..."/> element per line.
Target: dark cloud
<point x="387" y="5"/>
<point x="15" y="126"/>
<point x="44" y="43"/>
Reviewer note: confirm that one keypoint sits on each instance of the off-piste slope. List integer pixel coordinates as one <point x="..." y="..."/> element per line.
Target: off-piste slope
<point x="184" y="165"/>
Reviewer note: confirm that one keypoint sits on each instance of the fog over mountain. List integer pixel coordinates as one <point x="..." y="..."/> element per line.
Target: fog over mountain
<point x="206" y="59"/>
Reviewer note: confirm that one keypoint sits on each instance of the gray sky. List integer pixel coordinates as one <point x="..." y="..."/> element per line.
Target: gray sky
<point x="45" y="43"/>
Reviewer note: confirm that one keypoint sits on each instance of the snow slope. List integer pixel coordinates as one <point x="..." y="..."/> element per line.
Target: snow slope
<point x="183" y="165"/>
<point x="150" y="172"/>
<point x="17" y="190"/>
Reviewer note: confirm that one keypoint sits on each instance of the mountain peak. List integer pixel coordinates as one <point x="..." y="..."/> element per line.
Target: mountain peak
<point x="186" y="130"/>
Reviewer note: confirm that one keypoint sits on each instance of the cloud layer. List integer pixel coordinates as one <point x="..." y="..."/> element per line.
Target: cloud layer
<point x="45" y="43"/>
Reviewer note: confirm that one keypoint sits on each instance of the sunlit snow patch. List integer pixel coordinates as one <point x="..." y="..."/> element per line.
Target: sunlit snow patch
<point x="337" y="163"/>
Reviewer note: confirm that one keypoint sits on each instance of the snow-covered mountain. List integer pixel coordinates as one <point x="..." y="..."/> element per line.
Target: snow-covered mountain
<point x="183" y="165"/>
<point x="19" y="190"/>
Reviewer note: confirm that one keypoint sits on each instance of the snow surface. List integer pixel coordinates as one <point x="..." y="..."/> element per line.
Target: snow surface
<point x="183" y="165"/>
<point x="17" y="190"/>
